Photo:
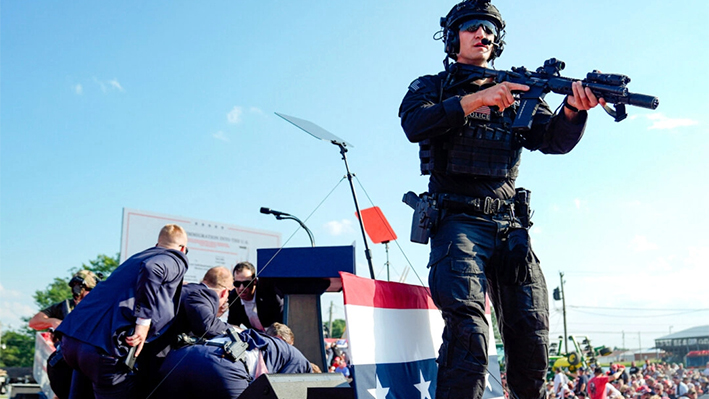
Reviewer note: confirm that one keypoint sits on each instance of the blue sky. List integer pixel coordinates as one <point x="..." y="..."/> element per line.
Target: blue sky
<point x="169" y="107"/>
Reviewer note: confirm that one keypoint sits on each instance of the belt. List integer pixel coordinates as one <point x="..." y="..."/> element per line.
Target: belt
<point x="465" y="204"/>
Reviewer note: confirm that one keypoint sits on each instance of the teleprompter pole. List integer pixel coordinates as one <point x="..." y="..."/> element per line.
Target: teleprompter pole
<point x="322" y="134"/>
<point x="367" y="252"/>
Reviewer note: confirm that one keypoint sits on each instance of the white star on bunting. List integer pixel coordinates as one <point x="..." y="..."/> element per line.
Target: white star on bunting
<point x="379" y="392"/>
<point x="422" y="386"/>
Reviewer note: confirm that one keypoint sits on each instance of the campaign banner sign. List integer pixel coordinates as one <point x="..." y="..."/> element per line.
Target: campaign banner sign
<point x="210" y="243"/>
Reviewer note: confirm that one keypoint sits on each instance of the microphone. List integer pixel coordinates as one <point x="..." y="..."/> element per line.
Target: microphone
<point x="486" y="41"/>
<point x="267" y="211"/>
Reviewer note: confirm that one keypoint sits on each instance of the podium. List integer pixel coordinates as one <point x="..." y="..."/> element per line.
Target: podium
<point x="302" y="275"/>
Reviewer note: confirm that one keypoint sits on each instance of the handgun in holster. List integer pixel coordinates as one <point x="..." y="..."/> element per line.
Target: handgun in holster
<point x="518" y="254"/>
<point x="522" y="208"/>
<point x="425" y="216"/>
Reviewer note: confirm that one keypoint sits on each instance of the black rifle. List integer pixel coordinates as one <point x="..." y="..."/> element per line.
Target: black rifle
<point x="611" y="87"/>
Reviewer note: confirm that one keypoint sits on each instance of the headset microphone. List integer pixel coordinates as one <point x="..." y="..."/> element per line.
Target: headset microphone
<point x="486" y="41"/>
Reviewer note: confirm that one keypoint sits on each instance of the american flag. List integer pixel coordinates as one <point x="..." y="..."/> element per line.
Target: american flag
<point x="394" y="332"/>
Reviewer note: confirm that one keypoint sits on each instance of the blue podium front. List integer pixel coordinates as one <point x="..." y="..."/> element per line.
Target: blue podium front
<point x="302" y="275"/>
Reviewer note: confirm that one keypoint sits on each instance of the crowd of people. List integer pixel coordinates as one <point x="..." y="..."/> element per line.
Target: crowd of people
<point x="337" y="359"/>
<point x="650" y="381"/>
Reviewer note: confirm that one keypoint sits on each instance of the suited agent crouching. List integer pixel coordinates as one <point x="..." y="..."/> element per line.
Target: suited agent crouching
<point x="202" y="304"/>
<point x="254" y="303"/>
<point x="223" y="367"/>
<point x="135" y="305"/>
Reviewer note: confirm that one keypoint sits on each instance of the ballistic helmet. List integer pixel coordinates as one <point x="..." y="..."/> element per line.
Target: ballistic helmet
<point x="83" y="280"/>
<point x="464" y="12"/>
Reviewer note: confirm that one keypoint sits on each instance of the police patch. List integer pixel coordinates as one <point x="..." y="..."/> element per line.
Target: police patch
<point x="482" y="113"/>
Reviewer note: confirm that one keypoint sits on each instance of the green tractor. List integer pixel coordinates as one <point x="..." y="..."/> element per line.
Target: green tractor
<point x="581" y="353"/>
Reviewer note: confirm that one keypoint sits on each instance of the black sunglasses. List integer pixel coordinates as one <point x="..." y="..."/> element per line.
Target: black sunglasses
<point x="245" y="283"/>
<point x="475" y="24"/>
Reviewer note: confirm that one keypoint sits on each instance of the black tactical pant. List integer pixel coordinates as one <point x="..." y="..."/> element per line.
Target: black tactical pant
<point x="467" y="253"/>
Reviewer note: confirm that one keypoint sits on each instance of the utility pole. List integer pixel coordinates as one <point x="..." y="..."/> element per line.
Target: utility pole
<point x="623" y="339"/>
<point x="563" y="305"/>
<point x="329" y="323"/>
<point x="640" y="344"/>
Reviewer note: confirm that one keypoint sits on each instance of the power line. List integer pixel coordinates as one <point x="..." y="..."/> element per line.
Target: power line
<point x="640" y="317"/>
<point x="584" y="332"/>
<point x="675" y="325"/>
<point x="641" y="309"/>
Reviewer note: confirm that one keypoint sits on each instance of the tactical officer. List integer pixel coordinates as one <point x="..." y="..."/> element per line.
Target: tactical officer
<point x="81" y="283"/>
<point x="58" y="372"/>
<point x="480" y="244"/>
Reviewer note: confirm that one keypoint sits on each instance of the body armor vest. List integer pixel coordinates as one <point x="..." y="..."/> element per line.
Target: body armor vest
<point x="480" y="149"/>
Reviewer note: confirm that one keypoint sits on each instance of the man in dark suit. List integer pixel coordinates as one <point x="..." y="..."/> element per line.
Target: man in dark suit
<point x="253" y="303"/>
<point x="203" y="303"/>
<point x="206" y="370"/>
<point x="133" y="307"/>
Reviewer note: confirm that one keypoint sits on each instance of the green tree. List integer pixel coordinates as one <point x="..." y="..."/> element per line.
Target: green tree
<point x="495" y="327"/>
<point x="338" y="328"/>
<point x="103" y="264"/>
<point x="17" y="348"/>
<point x="59" y="290"/>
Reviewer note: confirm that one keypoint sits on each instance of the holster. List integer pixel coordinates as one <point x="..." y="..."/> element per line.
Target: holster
<point x="518" y="252"/>
<point x="425" y="217"/>
<point x="56" y="357"/>
<point x="236" y="349"/>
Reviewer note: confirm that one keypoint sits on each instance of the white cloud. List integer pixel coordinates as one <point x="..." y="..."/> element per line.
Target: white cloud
<point x="14" y="305"/>
<point x="234" y="116"/>
<point x="100" y="84"/>
<point x="9" y="294"/>
<point x="114" y="83"/>
<point x="79" y="89"/>
<point x="662" y="122"/>
<point x="340" y="227"/>
<point x="220" y="136"/>
<point x="581" y="204"/>
<point x="641" y="244"/>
